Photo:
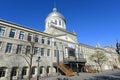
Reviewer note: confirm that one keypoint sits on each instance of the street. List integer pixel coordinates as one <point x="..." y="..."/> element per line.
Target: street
<point x="106" y="75"/>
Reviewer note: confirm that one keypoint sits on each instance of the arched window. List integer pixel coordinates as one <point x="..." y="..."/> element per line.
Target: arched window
<point x="55" y="21"/>
<point x="60" y="22"/>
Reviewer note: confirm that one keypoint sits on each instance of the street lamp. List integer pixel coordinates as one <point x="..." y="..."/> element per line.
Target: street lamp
<point x="38" y="73"/>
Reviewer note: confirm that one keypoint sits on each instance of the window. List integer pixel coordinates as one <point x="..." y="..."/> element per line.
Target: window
<point x="8" y="48"/>
<point x="0" y="44"/>
<point x="21" y="36"/>
<point x="14" y="71"/>
<point x="29" y="37"/>
<point x="48" y="42"/>
<point x="59" y="22"/>
<point x="71" y="52"/>
<point x="36" y="38"/>
<point x="43" y="40"/>
<point x="35" y="50"/>
<point x="19" y="49"/>
<point x="27" y="49"/>
<point x="56" y="22"/>
<point x="24" y="71"/>
<point x="48" y="52"/>
<point x="33" y="71"/>
<point x="42" y="51"/>
<point x="2" y="71"/>
<point x="55" y="53"/>
<point x="55" y="44"/>
<point x="12" y="33"/>
<point x="2" y="31"/>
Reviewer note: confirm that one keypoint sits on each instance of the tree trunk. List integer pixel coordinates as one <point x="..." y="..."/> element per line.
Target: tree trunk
<point x="100" y="68"/>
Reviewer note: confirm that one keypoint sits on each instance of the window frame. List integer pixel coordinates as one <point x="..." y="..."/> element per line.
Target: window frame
<point x="19" y="49"/>
<point x="8" y="48"/>
<point x="35" y="50"/>
<point x="14" y="71"/>
<point x="3" y="71"/>
<point x="43" y="40"/>
<point x="12" y="33"/>
<point x="42" y="51"/>
<point x="48" y="52"/>
<point x="24" y="71"/>
<point x="21" y="35"/>
<point x="29" y="38"/>
<point x="2" y="31"/>
<point x="36" y="39"/>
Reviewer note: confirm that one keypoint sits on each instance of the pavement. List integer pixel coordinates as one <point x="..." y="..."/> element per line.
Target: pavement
<point x="105" y="75"/>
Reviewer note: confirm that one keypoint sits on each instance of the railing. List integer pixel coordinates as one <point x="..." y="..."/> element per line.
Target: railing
<point x="90" y="69"/>
<point x="73" y="59"/>
<point x="65" y="70"/>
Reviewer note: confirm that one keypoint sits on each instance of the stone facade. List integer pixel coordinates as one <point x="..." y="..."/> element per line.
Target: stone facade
<point x="19" y="44"/>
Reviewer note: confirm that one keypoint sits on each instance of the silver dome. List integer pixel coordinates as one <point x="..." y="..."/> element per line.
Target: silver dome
<point x="55" y="14"/>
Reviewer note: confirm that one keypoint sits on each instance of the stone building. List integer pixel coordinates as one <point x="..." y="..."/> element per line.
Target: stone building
<point x="57" y="48"/>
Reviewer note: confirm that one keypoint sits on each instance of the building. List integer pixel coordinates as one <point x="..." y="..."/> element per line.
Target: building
<point x="57" y="49"/>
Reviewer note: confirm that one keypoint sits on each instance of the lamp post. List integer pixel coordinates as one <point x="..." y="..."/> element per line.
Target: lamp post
<point x="38" y="73"/>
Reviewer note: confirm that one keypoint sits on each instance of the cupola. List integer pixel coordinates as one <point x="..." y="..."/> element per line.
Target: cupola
<point x="55" y="19"/>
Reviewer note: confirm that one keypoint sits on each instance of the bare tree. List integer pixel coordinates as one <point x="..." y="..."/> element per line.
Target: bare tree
<point x="28" y="58"/>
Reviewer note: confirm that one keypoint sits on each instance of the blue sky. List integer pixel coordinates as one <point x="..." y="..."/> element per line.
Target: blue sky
<point x="94" y="21"/>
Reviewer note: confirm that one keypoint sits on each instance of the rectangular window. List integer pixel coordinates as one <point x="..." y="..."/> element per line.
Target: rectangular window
<point x="2" y="31"/>
<point x="36" y="38"/>
<point x="21" y="35"/>
<point x="55" y="44"/>
<point x="29" y="37"/>
<point x="48" y="42"/>
<point x="12" y="33"/>
<point x="14" y="71"/>
<point x="8" y="48"/>
<point x="35" y="50"/>
<point x="33" y="71"/>
<point x="48" y="52"/>
<point x="0" y="44"/>
<point x="42" y="51"/>
<point x="24" y="71"/>
<point x="56" y="52"/>
<point x="2" y="71"/>
<point x="28" y="49"/>
<point x="19" y="49"/>
<point x="43" y="40"/>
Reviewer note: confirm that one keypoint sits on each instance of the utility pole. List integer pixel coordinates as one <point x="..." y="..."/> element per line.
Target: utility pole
<point x="38" y="73"/>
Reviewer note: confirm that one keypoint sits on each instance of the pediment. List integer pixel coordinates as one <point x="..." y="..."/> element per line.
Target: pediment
<point x="65" y="37"/>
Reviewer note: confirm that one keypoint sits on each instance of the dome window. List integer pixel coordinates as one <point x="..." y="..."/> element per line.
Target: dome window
<point x="56" y="22"/>
<point x="59" y="22"/>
